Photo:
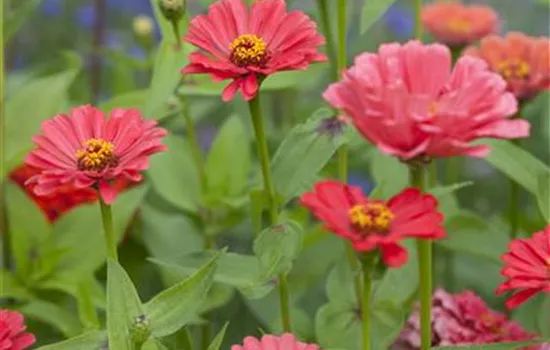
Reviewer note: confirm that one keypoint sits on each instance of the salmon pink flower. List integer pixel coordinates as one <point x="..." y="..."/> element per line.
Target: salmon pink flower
<point x="523" y="61"/>
<point x="248" y="45"/>
<point x="12" y="331"/>
<point x="456" y="24"/>
<point x="85" y="149"/>
<point x="271" y="342"/>
<point x="527" y="267"/>
<point x="409" y="103"/>
<point x="374" y="224"/>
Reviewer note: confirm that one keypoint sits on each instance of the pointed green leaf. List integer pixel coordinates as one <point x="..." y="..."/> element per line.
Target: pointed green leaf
<point x="86" y="308"/>
<point x="441" y="191"/>
<point x="389" y="173"/>
<point x="372" y="11"/>
<point x="11" y="287"/>
<point x="173" y="308"/>
<point x="93" y="340"/>
<point x="14" y="19"/>
<point x="543" y="195"/>
<point x="217" y="342"/>
<point x="54" y="315"/>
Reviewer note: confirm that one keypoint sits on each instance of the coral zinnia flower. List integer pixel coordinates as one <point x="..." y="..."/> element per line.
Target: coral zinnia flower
<point x="457" y="24"/>
<point x="247" y="45"/>
<point x="461" y="319"/>
<point x="371" y="224"/>
<point x="65" y="198"/>
<point x="408" y="102"/>
<point x="272" y="342"/>
<point x="12" y="331"/>
<point x="87" y="150"/>
<point x="523" y="61"/>
<point x="527" y="267"/>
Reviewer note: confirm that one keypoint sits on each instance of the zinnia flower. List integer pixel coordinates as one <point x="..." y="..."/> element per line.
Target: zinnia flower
<point x="12" y="331"/>
<point x="85" y="149"/>
<point x="408" y="102"/>
<point x="373" y="224"/>
<point x="461" y="319"/>
<point x="64" y="199"/>
<point x="527" y="267"/>
<point x="456" y="24"/>
<point x="273" y="342"/>
<point x="523" y="61"/>
<point x="248" y="45"/>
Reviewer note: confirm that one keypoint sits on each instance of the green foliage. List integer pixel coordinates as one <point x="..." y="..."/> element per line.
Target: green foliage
<point x="15" y="18"/>
<point x="92" y="340"/>
<point x="372" y="11"/>
<point x="217" y="342"/>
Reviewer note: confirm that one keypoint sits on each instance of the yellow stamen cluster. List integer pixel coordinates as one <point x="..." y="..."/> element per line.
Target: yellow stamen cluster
<point x="248" y="50"/>
<point x="514" y="68"/>
<point x="96" y="155"/>
<point x="371" y="218"/>
<point x="459" y="25"/>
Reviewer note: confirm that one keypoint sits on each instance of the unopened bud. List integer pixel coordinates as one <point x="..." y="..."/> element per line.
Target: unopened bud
<point x="140" y="330"/>
<point x="172" y="10"/>
<point x="143" y="26"/>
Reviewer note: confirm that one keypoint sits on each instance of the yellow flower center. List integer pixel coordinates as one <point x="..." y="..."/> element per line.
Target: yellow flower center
<point x="248" y="50"/>
<point x="371" y="218"/>
<point x="514" y="68"/>
<point x="459" y="25"/>
<point x="96" y="155"/>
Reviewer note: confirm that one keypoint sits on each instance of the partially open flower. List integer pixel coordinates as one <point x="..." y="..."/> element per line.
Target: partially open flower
<point x="523" y="61"/>
<point x="246" y="45"/>
<point x="273" y="342"/>
<point x="456" y="24"/>
<point x="527" y="267"/>
<point x="12" y="331"/>
<point x="373" y="224"/>
<point x="86" y="150"/>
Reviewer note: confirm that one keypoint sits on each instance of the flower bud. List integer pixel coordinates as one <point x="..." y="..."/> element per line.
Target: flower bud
<point x="172" y="10"/>
<point x="140" y="330"/>
<point x="143" y="26"/>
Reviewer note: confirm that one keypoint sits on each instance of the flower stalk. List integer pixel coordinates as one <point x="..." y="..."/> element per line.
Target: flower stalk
<point x="367" y="261"/>
<point x="327" y="31"/>
<point x="110" y="240"/>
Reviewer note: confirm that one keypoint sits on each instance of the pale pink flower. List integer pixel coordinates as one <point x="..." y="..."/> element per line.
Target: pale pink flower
<point x="86" y="149"/>
<point x="409" y="102"/>
<point x="272" y="342"/>
<point x="246" y="45"/>
<point x="12" y="331"/>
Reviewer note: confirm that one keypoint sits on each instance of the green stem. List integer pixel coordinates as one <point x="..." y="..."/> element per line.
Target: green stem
<point x="514" y="210"/>
<point x="193" y="143"/>
<point x="206" y="335"/>
<point x="418" y="26"/>
<point x="418" y="180"/>
<point x="176" y="30"/>
<point x="367" y="262"/>
<point x="269" y="188"/>
<point x="342" y="31"/>
<point x="327" y="31"/>
<point x="110" y="239"/>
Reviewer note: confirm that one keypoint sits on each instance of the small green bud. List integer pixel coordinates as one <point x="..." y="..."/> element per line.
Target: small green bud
<point x="172" y="10"/>
<point x="140" y="330"/>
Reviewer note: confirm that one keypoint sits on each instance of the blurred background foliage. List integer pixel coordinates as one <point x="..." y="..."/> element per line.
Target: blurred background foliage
<point x="57" y="57"/>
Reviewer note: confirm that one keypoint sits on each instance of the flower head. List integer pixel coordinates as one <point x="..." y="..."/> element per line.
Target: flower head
<point x="373" y="224"/>
<point x="85" y="149"/>
<point x="245" y="45"/>
<point x="273" y="342"/>
<point x="527" y="267"/>
<point x="457" y="24"/>
<point x="12" y="331"/>
<point x="461" y="319"/>
<point x="409" y="103"/>
<point x="523" y="61"/>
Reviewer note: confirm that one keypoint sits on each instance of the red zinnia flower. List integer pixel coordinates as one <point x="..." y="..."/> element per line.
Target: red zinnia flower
<point x="523" y="61"/>
<point x="12" y="331"/>
<point x="457" y="24"/>
<point x="85" y="149"/>
<point x="272" y="342"/>
<point x="409" y="102"/>
<point x="245" y="45"/>
<point x="371" y="224"/>
<point x="527" y="267"/>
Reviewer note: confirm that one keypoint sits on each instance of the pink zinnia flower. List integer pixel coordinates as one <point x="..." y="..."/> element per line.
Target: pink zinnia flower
<point x="523" y="61"/>
<point x="373" y="224"/>
<point x="248" y="45"/>
<point x="461" y="319"/>
<point x="456" y="24"/>
<point x="409" y="103"/>
<point x="527" y="267"/>
<point x="86" y="149"/>
<point x="273" y="342"/>
<point x="12" y="331"/>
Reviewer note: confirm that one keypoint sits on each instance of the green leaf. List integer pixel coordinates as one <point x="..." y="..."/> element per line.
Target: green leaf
<point x="543" y="319"/>
<point x="518" y="164"/>
<point x="92" y="340"/>
<point x="543" y="195"/>
<point x="277" y="247"/>
<point x="174" y="175"/>
<point x="229" y="162"/>
<point x="372" y="11"/>
<point x="389" y="173"/>
<point x="131" y="99"/>
<point x="14" y="19"/>
<point x="441" y="191"/>
<point x="302" y="155"/>
<point x="496" y="346"/>
<point x="11" y="287"/>
<point x="54" y="315"/>
<point x="86" y="308"/>
<point x="49" y="97"/>
<point x="173" y="308"/>
<point x="217" y="342"/>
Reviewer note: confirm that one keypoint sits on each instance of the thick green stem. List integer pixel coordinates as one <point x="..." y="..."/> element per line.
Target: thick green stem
<point x="342" y="32"/>
<point x="269" y="190"/>
<point x="367" y="262"/>
<point x="327" y="31"/>
<point x="418" y="26"/>
<point x="110" y="239"/>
